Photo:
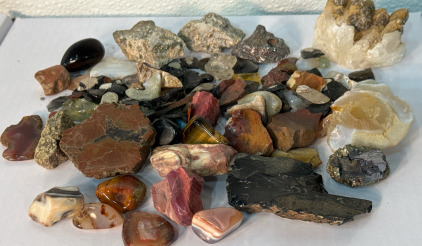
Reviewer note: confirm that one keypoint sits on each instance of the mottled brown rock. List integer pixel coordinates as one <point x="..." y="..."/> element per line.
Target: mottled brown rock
<point x="291" y="130"/>
<point x="53" y="79"/>
<point x="115" y="140"/>
<point x="275" y="77"/>
<point x="145" y="72"/>
<point x="223" y="85"/>
<point x="304" y="78"/>
<point x="233" y="92"/>
<point x="288" y="65"/>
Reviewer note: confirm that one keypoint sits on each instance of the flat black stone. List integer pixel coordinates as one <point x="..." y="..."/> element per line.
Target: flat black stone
<point x="311" y="53"/>
<point x="362" y="75"/>
<point x="174" y="71"/>
<point x="245" y="66"/>
<point x="189" y="62"/>
<point x="83" y="54"/>
<point x="192" y="79"/>
<point x="324" y="109"/>
<point x="334" y="90"/>
<point x="118" y="89"/>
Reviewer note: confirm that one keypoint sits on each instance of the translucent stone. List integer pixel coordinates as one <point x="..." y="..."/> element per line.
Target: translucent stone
<point x="113" y="68"/>
<point x="199" y="131"/>
<point x="97" y="216"/>
<point x="78" y="109"/>
<point x="152" y="89"/>
<point x="324" y="62"/>
<point x="248" y="76"/>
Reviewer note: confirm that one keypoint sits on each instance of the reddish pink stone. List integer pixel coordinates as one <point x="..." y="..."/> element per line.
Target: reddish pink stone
<point x="179" y="195"/>
<point x="233" y="92"/>
<point x="206" y="105"/>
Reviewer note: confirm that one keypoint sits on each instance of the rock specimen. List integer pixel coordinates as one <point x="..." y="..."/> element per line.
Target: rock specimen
<point x="22" y="139"/>
<point x="258" y="104"/>
<point x="252" y="77"/>
<point x="358" y="166"/>
<point x="48" y="153"/>
<point x="308" y="155"/>
<point x="124" y="193"/>
<point x="109" y="97"/>
<point x="311" y="95"/>
<point x="288" y="65"/>
<point x="272" y="102"/>
<point x="294" y="101"/>
<point x="53" y="79"/>
<point x="214" y="224"/>
<point x="275" y="77"/>
<point x="146" y="42"/>
<point x="334" y="90"/>
<point x="114" y="68"/>
<point x="179" y="195"/>
<point x="168" y="132"/>
<point x="340" y="78"/>
<point x="381" y="125"/>
<point x="261" y="47"/>
<point x="292" y="190"/>
<point x="233" y="92"/>
<point x="115" y="140"/>
<point x="78" y="109"/>
<point x="199" y="131"/>
<point x="83" y="54"/>
<point x="206" y="105"/>
<point x="97" y="216"/>
<point x="221" y="66"/>
<point x="246" y="133"/>
<point x="152" y="89"/>
<point x="291" y="130"/>
<point x="356" y="35"/>
<point x="56" y="204"/>
<point x="141" y="228"/>
<point x="305" y="78"/>
<point x="362" y="75"/>
<point x="145" y="72"/>
<point x="87" y="83"/>
<point x="201" y="159"/>
<point x="245" y="66"/>
<point x="211" y="34"/>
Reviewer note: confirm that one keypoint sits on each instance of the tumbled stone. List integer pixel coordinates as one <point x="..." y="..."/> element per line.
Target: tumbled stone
<point x="97" y="216"/>
<point x="287" y="188"/>
<point x="315" y="71"/>
<point x="199" y="131"/>
<point x="233" y="92"/>
<point x="115" y="140"/>
<point x="22" y="139"/>
<point x="272" y="102"/>
<point x="206" y="105"/>
<point x="295" y="102"/>
<point x="275" y="77"/>
<point x="214" y="224"/>
<point x="201" y="159"/>
<point x="179" y="195"/>
<point x="221" y="66"/>
<point x="362" y="75"/>
<point x="74" y="83"/>
<point x="152" y="89"/>
<point x="261" y="47"/>
<point x="211" y="34"/>
<point x="324" y="109"/>
<point x="118" y="89"/>
<point x="56" y="204"/>
<point x="48" y="153"/>
<point x="308" y="155"/>
<point x="141" y="228"/>
<point x="288" y="65"/>
<point x="174" y="68"/>
<point x="168" y="132"/>
<point x="53" y="79"/>
<point x="110" y="97"/>
<point x="87" y="83"/>
<point x="245" y="66"/>
<point x="340" y="78"/>
<point x="246" y="133"/>
<point x="124" y="193"/>
<point x="146" y="72"/>
<point x="114" y="68"/>
<point x="334" y="90"/>
<point x="78" y="110"/>
<point x="56" y="103"/>
<point x="312" y="95"/>
<point x="105" y="86"/>
<point x="291" y="130"/>
<point x="305" y="78"/>
<point x="312" y="63"/>
<point x="146" y="42"/>
<point x="83" y="54"/>
<point x="258" y="104"/>
<point x="356" y="166"/>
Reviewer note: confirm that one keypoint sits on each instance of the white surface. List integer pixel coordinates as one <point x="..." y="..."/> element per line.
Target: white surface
<point x="34" y="8"/>
<point x="5" y="24"/>
<point x="35" y="44"/>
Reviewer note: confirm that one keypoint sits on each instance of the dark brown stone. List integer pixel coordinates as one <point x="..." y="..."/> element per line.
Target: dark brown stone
<point x="233" y="92"/>
<point x="275" y="77"/>
<point x="288" y="65"/>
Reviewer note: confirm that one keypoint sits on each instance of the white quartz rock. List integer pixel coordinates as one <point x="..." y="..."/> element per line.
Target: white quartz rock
<point x="114" y="68"/>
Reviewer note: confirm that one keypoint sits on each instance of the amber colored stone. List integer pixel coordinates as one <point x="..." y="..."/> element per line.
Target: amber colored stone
<point x="304" y="78"/>
<point x="124" y="193"/>
<point x="248" y="76"/>
<point x="233" y="92"/>
<point x="199" y="131"/>
<point x="142" y="229"/>
<point x="53" y="79"/>
<point x="22" y="139"/>
<point x="97" y="216"/>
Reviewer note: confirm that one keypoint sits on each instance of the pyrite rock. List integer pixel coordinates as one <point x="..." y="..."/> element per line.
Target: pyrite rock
<point x="261" y="47"/>
<point x="201" y="159"/>
<point x="292" y="190"/>
<point x="53" y="79"/>
<point x="115" y="140"/>
<point x="211" y="34"/>
<point x="149" y="43"/>
<point x="48" y="153"/>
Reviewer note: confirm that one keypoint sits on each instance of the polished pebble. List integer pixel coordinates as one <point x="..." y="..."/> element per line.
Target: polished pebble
<point x="97" y="216"/>
<point x="83" y="54"/>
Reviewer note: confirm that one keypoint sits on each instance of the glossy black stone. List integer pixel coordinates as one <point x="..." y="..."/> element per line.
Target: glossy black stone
<point x="168" y="132"/>
<point x="83" y="54"/>
<point x="315" y="71"/>
<point x="362" y="75"/>
<point x="311" y="53"/>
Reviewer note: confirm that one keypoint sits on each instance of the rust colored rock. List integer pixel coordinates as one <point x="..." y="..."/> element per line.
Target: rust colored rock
<point x="246" y="133"/>
<point x="53" y="79"/>
<point x="22" y="139"/>
<point x="233" y="92"/>
<point x="223" y="85"/>
<point x="291" y="130"/>
<point x="206" y="105"/>
<point x="202" y="159"/>
<point x="304" y="78"/>
<point x="179" y="195"/>
<point x="275" y="77"/>
<point x="115" y="140"/>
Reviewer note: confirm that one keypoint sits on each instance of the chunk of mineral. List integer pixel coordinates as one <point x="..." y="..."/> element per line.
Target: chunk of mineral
<point x="233" y="92"/>
<point x="22" y="139"/>
<point x="145" y="72"/>
<point x="109" y="97"/>
<point x="356" y="35"/>
<point x="312" y="95"/>
<point x="53" y="79"/>
<point x="152" y="89"/>
<point x="245" y="66"/>
<point x="275" y="77"/>
<point x="252" y="77"/>
<point x="272" y="102"/>
<point x="77" y="109"/>
<point x="141" y="228"/>
<point x="168" y="132"/>
<point x="356" y="166"/>
<point x="340" y="78"/>
<point x="48" y="153"/>
<point x="221" y="66"/>
<point x="305" y="78"/>
<point x="308" y="155"/>
<point x="258" y="104"/>
<point x="97" y="216"/>
<point x="83" y="54"/>
<point x="214" y="224"/>
<point x="334" y="90"/>
<point x="288" y="65"/>
<point x="292" y="190"/>
<point x="246" y="133"/>
<point x="211" y="34"/>
<point x="124" y="193"/>
<point x="146" y="42"/>
<point x="56" y="204"/>
<point x="114" y="68"/>
<point x="261" y="47"/>
<point x="199" y="131"/>
<point x="179" y="195"/>
<point x="115" y="140"/>
<point x="201" y="159"/>
<point x="206" y="105"/>
<point x="362" y="75"/>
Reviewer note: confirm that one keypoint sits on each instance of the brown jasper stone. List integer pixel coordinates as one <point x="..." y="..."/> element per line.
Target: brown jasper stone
<point x="233" y="92"/>
<point x="291" y="130"/>
<point x="141" y="229"/>
<point x="400" y="14"/>
<point x="115" y="140"/>
<point x="304" y="78"/>
<point x="274" y="77"/>
<point x="223" y="85"/>
<point x="246" y="133"/>
<point x="22" y="139"/>
<point x="288" y="65"/>
<point x="53" y="79"/>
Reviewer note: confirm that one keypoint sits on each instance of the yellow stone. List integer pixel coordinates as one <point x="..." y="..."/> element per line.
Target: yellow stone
<point x="308" y="155"/>
<point x="248" y="76"/>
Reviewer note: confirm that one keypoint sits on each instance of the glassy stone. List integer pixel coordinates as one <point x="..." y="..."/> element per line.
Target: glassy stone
<point x="78" y="109"/>
<point x="83" y="54"/>
<point x="97" y="216"/>
<point x="114" y="68"/>
<point x="248" y="76"/>
<point x="168" y="132"/>
<point x="199" y="131"/>
<point x="221" y="66"/>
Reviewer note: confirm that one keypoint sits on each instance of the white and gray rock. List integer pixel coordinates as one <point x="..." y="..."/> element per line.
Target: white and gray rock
<point x="87" y="83"/>
<point x="273" y="103"/>
<point x="110" y="97"/>
<point x="312" y="95"/>
<point x="221" y="66"/>
<point x="152" y="89"/>
<point x="114" y="68"/>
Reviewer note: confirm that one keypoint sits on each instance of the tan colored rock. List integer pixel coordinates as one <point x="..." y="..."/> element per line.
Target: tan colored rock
<point x="75" y="82"/>
<point x="145" y="72"/>
<point x="304" y="78"/>
<point x="53" y="79"/>
<point x="257" y="104"/>
<point x="308" y="155"/>
<point x="312" y="95"/>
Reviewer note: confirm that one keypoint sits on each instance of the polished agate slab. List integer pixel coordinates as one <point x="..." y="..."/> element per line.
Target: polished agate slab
<point x="97" y="216"/>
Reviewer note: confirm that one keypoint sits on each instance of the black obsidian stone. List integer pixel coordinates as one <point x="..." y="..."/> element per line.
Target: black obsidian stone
<point x="83" y="54"/>
<point x="168" y="132"/>
<point x="362" y="75"/>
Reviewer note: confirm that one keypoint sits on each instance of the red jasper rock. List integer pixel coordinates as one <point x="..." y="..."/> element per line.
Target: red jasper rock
<point x="233" y="92"/>
<point x="293" y="130"/>
<point x="115" y="140"/>
<point x="53" y="79"/>
<point x="246" y="133"/>
<point x="275" y="77"/>
<point x="206" y="105"/>
<point x="22" y="139"/>
<point x="179" y="195"/>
